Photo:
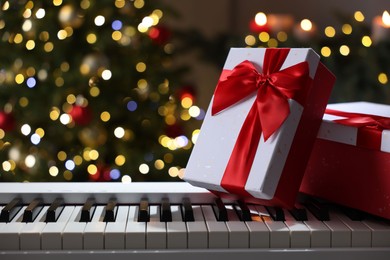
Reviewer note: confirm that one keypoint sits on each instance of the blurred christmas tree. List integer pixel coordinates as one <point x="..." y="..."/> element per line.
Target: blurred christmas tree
<point x="89" y="91"/>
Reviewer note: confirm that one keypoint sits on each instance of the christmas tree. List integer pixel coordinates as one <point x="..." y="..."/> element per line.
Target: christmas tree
<point x="89" y="90"/>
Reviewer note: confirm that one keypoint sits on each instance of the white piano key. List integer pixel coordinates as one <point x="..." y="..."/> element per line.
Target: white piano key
<point x="93" y="237"/>
<point x="30" y="235"/>
<point x="299" y="232"/>
<point x="156" y="231"/>
<point x="238" y="232"/>
<point x="51" y="236"/>
<point x="114" y="235"/>
<point x="72" y="235"/>
<point x="176" y="213"/>
<point x="9" y="234"/>
<point x="217" y="231"/>
<point x="135" y="235"/>
<point x="380" y="232"/>
<point x="361" y="234"/>
<point x="320" y="234"/>
<point x="258" y="231"/>
<point x="279" y="233"/>
<point x="176" y="230"/>
<point x="340" y="233"/>
<point x="197" y="230"/>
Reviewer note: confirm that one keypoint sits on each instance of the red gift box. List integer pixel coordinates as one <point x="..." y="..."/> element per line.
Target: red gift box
<point x="260" y="127"/>
<point x="350" y="161"/>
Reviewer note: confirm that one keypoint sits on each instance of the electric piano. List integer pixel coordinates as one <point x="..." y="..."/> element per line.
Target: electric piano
<point x="175" y="220"/>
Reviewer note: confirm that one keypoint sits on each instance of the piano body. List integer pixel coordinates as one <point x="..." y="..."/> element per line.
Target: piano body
<point x="174" y="220"/>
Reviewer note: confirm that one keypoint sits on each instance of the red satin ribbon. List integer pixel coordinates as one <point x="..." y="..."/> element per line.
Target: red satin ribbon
<point x="272" y="88"/>
<point x="369" y="127"/>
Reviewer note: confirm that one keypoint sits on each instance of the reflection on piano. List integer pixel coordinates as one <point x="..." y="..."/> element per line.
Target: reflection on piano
<point x="176" y="220"/>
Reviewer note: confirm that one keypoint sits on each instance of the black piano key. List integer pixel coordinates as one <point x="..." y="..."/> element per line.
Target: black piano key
<point x="243" y="211"/>
<point x="165" y="211"/>
<point x="55" y="209"/>
<point x="220" y="210"/>
<point x="276" y="213"/>
<point x="87" y="210"/>
<point x="318" y="209"/>
<point x="32" y="210"/>
<point x="143" y="211"/>
<point x="110" y="211"/>
<point x="299" y="213"/>
<point x="354" y="214"/>
<point x="186" y="211"/>
<point x="10" y="210"/>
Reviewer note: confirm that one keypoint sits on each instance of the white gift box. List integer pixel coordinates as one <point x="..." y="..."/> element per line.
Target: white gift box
<point x="279" y="162"/>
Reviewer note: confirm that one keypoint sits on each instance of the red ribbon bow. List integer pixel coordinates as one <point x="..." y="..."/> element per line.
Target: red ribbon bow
<point x="370" y="127"/>
<point x="273" y="87"/>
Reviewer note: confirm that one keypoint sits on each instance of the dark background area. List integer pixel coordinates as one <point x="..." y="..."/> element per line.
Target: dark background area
<point x="233" y="16"/>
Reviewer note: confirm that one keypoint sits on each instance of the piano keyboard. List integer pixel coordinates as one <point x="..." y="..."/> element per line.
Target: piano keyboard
<point x="93" y="220"/>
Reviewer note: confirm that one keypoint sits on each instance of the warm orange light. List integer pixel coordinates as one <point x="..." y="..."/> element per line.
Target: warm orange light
<point x="386" y="18"/>
<point x="261" y="18"/>
<point x="306" y="25"/>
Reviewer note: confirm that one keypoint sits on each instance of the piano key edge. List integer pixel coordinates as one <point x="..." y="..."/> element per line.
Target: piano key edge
<point x="195" y="254"/>
<point x="131" y="193"/>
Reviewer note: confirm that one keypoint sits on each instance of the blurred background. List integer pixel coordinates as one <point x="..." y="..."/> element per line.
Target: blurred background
<point x="116" y="90"/>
